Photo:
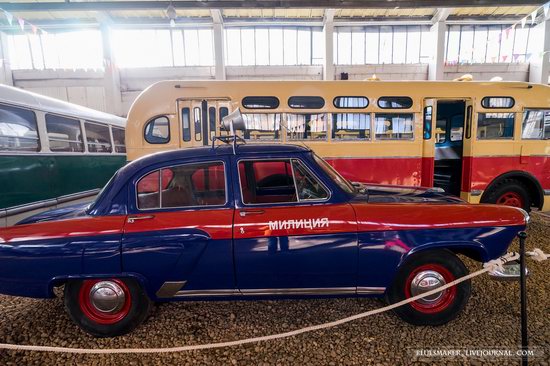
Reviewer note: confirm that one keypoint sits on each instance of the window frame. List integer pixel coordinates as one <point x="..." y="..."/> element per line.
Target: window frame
<point x="298" y="201"/>
<point x="306" y="96"/>
<point x="136" y="181"/>
<point x="113" y="128"/>
<point x="152" y="119"/>
<point x="350" y="96"/>
<point x="413" y="132"/>
<point x="509" y="138"/>
<point x="111" y="142"/>
<point x="84" y="143"/>
<point x="39" y="147"/>
<point x="525" y="110"/>
<point x="496" y="96"/>
<point x="243" y="101"/>
<point x="394" y="96"/>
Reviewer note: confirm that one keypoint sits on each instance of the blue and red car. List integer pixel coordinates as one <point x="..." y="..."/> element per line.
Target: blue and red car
<point x="249" y="222"/>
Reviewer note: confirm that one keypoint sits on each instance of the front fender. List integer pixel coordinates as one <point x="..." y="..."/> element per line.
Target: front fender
<point x="472" y="249"/>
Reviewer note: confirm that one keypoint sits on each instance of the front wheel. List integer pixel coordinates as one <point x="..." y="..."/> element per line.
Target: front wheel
<point x="509" y="192"/>
<point x="424" y="272"/>
<point x="106" y="307"/>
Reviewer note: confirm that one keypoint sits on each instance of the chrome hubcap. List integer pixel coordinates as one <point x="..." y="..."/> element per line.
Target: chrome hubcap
<point x="107" y="297"/>
<point x="426" y="281"/>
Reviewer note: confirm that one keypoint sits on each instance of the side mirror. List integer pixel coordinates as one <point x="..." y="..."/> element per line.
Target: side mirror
<point x="233" y="122"/>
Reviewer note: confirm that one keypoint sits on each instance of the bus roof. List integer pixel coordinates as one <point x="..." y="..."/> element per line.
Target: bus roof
<point x="24" y="98"/>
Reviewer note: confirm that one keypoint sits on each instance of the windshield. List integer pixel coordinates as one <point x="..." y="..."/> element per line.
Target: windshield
<point x="336" y="177"/>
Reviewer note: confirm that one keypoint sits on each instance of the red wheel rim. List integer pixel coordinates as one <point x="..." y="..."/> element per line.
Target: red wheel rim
<point x="443" y="300"/>
<point x="511" y="199"/>
<point x="92" y="311"/>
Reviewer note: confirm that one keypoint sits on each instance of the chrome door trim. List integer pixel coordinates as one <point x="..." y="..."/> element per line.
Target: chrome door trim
<point x="300" y="291"/>
<point x="370" y="290"/>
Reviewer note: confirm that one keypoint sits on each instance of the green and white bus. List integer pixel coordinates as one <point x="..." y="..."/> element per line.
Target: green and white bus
<point x="53" y="153"/>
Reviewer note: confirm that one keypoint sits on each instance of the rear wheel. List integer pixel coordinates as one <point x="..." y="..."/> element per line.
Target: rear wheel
<point x="106" y="307"/>
<point x="509" y="192"/>
<point x="424" y="272"/>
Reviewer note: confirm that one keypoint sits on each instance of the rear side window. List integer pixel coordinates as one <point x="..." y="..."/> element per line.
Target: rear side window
<point x="278" y="181"/>
<point x="157" y="130"/>
<point x="187" y="185"/>
<point x="260" y="102"/>
<point x="18" y="129"/>
<point x="495" y="126"/>
<point x="119" y="140"/>
<point x="395" y="102"/>
<point x="64" y="134"/>
<point x="497" y="102"/>
<point x="306" y="102"/>
<point x="98" y="138"/>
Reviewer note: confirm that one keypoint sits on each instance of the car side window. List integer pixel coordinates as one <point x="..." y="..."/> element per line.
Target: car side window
<point x="186" y="185"/>
<point x="278" y="181"/>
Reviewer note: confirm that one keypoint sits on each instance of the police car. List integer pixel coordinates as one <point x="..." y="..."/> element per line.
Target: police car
<point x="245" y="221"/>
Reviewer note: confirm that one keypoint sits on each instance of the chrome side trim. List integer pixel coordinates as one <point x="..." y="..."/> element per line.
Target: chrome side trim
<point x="14" y="210"/>
<point x="169" y="289"/>
<point x="370" y="290"/>
<point x="476" y="192"/>
<point x="300" y="291"/>
<point x="206" y="293"/>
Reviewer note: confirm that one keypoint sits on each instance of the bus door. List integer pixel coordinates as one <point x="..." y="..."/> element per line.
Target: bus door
<point x="200" y="120"/>
<point x="428" y="118"/>
<point x="449" y="132"/>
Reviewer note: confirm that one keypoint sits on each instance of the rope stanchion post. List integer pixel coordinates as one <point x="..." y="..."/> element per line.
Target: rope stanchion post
<point x="523" y="293"/>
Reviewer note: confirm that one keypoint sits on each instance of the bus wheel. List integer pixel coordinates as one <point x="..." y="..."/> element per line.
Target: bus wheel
<point x="106" y="307"/>
<point x="509" y="192"/>
<point x="427" y="271"/>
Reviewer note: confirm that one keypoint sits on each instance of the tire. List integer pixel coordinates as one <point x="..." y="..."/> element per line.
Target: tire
<point x="128" y="308"/>
<point x="509" y="192"/>
<point x="440" y="308"/>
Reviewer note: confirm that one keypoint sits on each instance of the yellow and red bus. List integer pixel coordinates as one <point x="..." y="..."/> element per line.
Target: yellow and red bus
<point x="482" y="141"/>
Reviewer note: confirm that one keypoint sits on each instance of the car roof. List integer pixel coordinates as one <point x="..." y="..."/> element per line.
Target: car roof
<point x="219" y="150"/>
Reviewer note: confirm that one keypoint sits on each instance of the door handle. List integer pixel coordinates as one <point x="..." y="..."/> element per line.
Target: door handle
<point x="244" y="213"/>
<point x="132" y="219"/>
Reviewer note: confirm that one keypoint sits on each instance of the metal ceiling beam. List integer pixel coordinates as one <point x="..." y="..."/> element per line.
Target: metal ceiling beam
<point x="441" y="15"/>
<point x="250" y="4"/>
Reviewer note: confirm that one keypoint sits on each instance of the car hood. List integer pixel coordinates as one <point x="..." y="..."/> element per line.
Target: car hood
<point x="400" y="194"/>
<point x="57" y="214"/>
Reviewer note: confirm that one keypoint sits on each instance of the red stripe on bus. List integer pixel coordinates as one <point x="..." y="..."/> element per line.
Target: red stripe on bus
<point x="427" y="172"/>
<point x="393" y="171"/>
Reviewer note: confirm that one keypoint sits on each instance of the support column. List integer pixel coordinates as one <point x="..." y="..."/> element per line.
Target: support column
<point x="113" y="93"/>
<point x="6" y="76"/>
<point x="219" y="57"/>
<point x="539" y="67"/>
<point x="328" y="32"/>
<point x="437" y="61"/>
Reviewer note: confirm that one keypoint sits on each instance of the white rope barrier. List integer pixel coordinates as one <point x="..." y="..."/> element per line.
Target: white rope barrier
<point x="487" y="267"/>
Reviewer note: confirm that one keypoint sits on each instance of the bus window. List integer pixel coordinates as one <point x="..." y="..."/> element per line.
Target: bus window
<point x="64" y="134"/>
<point x="351" y="126"/>
<point x="428" y="110"/>
<point x="197" y="120"/>
<point x="395" y="102"/>
<point x="260" y="102"/>
<point x="306" y="102"/>
<point x="394" y="126"/>
<point x="119" y="140"/>
<point x="306" y="126"/>
<point x="262" y="126"/>
<point x="223" y="112"/>
<point x="98" y="138"/>
<point x="350" y="102"/>
<point x="18" y="129"/>
<point x="212" y="121"/>
<point x="186" y="124"/>
<point x="536" y="125"/>
<point x="497" y="102"/>
<point x="495" y="126"/>
<point x="157" y="131"/>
